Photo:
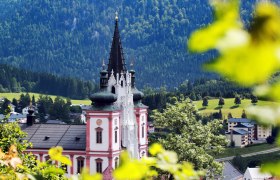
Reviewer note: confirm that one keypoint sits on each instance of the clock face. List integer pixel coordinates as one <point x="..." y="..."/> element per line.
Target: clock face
<point x="98" y="122"/>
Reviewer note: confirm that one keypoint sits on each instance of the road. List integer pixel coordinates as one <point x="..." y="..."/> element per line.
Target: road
<point x="250" y="154"/>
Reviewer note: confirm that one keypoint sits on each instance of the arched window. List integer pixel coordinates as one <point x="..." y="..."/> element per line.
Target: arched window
<point x="98" y="165"/>
<point x="65" y="168"/>
<point x="143" y="130"/>
<point x="80" y="163"/>
<point x="113" y="90"/>
<point x="142" y="154"/>
<point x="47" y="158"/>
<point x="99" y="135"/>
<point x="116" y="162"/>
<point x="116" y="134"/>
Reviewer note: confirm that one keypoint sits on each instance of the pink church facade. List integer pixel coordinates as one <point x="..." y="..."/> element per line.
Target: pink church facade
<point x="116" y="121"/>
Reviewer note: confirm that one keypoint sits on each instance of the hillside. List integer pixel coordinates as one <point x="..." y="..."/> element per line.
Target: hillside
<point x="10" y="97"/>
<point x="229" y="106"/>
<point x="18" y="80"/>
<point x="71" y="38"/>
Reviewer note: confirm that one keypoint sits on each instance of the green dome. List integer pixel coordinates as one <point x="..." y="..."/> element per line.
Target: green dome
<point x="137" y="95"/>
<point x="103" y="97"/>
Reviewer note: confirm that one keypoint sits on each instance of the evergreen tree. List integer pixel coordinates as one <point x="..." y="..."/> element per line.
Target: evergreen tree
<point x="254" y="99"/>
<point x="5" y="106"/>
<point x="237" y="100"/>
<point x="221" y="101"/>
<point x="193" y="96"/>
<point x="205" y="102"/>
<point x="229" y="115"/>
<point x="15" y="103"/>
<point x="243" y="114"/>
<point x="33" y="101"/>
<point x="220" y="114"/>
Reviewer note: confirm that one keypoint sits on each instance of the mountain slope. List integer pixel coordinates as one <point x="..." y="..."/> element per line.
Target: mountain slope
<point x="16" y="80"/>
<point x="71" y="38"/>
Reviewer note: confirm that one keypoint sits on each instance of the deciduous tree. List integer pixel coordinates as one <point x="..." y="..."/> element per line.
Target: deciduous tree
<point x="193" y="141"/>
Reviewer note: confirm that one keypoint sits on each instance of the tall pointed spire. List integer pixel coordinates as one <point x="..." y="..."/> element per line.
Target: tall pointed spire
<point x="116" y="60"/>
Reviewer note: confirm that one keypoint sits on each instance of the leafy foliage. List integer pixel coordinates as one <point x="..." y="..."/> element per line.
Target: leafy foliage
<point x="248" y="57"/>
<point x="189" y="138"/>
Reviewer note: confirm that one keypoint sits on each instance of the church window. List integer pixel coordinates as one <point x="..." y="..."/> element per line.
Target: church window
<point x="99" y="135"/>
<point x="143" y="153"/>
<point x="116" y="134"/>
<point x="47" y="158"/>
<point x="99" y="165"/>
<point x="113" y="90"/>
<point x="80" y="164"/>
<point x="143" y="130"/>
<point x="122" y="83"/>
<point x="116" y="162"/>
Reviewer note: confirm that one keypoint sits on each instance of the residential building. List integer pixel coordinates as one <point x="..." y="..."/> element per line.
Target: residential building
<point x="117" y="120"/>
<point x="242" y="128"/>
<point x="240" y="137"/>
<point x="256" y="174"/>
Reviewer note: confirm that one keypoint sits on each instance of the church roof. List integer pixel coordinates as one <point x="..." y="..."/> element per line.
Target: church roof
<point x="116" y="60"/>
<point x="45" y="136"/>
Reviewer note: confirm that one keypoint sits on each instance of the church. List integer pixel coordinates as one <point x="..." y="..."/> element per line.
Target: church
<point x="116" y="121"/>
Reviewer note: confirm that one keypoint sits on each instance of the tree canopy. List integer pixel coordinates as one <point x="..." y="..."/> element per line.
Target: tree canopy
<point x="189" y="138"/>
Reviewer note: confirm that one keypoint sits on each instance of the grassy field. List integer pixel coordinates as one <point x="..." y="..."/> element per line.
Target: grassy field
<point x="245" y="150"/>
<point x="229" y="106"/>
<point x="10" y="96"/>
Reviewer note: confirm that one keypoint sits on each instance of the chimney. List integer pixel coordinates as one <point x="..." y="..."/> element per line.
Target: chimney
<point x="30" y="117"/>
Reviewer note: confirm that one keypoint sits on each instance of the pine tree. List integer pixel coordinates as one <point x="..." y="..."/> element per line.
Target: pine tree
<point x="254" y="99"/>
<point x="243" y="114"/>
<point x="33" y="100"/>
<point x="221" y="101"/>
<point x="237" y="100"/>
<point x="205" y="102"/>
<point x="229" y="115"/>
<point x="220" y="114"/>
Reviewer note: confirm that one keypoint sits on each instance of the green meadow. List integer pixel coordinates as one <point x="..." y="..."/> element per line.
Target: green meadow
<point x="229" y="107"/>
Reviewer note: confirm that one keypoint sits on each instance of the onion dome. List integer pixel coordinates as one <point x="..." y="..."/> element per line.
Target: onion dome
<point x="103" y="97"/>
<point x="137" y="95"/>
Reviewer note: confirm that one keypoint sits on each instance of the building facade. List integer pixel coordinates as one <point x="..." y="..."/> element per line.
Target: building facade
<point x="116" y="121"/>
<point x="244" y="131"/>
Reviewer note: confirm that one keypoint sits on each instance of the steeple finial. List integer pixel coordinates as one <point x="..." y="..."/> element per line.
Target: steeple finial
<point x="117" y="16"/>
<point x="116" y="60"/>
<point x="132" y="63"/>
<point x="103" y="65"/>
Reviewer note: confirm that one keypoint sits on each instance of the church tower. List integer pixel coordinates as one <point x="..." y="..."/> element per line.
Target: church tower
<point x="117" y="120"/>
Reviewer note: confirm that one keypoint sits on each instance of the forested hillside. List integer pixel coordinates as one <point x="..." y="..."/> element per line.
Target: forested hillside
<point x="71" y="38"/>
<point x="16" y="80"/>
